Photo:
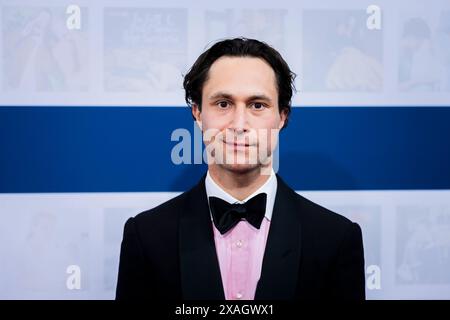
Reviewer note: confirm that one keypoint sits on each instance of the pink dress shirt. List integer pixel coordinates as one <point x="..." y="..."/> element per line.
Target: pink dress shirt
<point x="240" y="251"/>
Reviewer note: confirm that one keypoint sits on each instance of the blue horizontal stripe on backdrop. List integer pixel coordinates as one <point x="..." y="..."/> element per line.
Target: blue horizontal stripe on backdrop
<point x="128" y="149"/>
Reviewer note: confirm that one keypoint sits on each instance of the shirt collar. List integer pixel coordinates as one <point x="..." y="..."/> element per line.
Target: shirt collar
<point x="269" y="187"/>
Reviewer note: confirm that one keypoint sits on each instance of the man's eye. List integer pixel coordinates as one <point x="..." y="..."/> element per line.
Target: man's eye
<point x="258" y="106"/>
<point x="223" y="104"/>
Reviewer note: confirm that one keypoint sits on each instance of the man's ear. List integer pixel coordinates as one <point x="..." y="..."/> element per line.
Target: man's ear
<point x="196" y="114"/>
<point x="283" y="118"/>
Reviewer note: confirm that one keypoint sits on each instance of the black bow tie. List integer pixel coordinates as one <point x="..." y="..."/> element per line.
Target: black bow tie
<point x="227" y="215"/>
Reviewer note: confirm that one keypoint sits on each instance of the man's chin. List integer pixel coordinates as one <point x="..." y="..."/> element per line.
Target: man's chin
<point x="241" y="168"/>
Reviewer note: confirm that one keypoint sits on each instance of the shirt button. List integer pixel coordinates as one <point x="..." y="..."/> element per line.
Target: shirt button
<point x="239" y="243"/>
<point x="238" y="295"/>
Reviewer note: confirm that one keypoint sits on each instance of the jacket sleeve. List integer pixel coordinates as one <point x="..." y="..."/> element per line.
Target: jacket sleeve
<point x="349" y="277"/>
<point x="130" y="282"/>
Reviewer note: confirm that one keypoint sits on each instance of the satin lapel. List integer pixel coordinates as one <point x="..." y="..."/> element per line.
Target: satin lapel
<point x="281" y="260"/>
<point x="199" y="266"/>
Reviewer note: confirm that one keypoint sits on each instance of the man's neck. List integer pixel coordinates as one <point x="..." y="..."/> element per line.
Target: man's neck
<point x="238" y="184"/>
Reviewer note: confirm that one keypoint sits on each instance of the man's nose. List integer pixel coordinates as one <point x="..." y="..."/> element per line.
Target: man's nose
<point x="239" y="121"/>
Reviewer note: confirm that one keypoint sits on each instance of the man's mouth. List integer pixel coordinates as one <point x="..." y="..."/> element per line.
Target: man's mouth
<point x="238" y="145"/>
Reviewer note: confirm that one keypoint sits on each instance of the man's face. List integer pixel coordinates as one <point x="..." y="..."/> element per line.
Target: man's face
<point x="240" y="116"/>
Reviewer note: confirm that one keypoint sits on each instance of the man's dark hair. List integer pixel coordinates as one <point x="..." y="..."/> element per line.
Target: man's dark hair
<point x="240" y="47"/>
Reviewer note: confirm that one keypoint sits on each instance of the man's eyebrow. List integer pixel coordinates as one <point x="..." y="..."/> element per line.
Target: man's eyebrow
<point x="225" y="95"/>
<point x="220" y="94"/>
<point x="259" y="97"/>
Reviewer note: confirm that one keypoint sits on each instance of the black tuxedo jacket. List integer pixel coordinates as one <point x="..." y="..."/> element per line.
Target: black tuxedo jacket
<point x="168" y="252"/>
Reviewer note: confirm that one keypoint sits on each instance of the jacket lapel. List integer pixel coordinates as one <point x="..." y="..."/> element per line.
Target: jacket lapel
<point x="199" y="266"/>
<point x="281" y="260"/>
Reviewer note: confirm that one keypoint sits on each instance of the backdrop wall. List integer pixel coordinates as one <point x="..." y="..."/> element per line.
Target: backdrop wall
<point x="91" y="94"/>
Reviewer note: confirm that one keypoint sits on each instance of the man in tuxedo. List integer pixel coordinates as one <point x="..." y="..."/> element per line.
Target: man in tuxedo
<point x="241" y="232"/>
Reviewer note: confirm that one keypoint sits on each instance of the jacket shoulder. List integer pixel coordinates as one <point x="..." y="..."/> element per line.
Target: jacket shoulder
<point x="166" y="211"/>
<point x="318" y="213"/>
<point x="313" y="213"/>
